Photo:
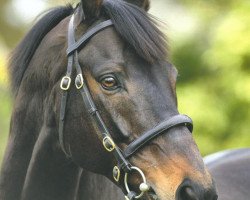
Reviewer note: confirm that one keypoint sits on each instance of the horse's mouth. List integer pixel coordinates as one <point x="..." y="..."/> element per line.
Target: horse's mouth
<point x="153" y="196"/>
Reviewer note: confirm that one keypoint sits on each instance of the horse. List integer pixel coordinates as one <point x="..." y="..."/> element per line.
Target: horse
<point x="231" y="172"/>
<point x="119" y="119"/>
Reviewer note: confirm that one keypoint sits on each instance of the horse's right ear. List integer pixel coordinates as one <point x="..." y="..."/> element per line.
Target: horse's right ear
<point x="91" y="8"/>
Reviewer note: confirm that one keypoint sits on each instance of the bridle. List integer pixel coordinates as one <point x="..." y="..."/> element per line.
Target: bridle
<point x="121" y="156"/>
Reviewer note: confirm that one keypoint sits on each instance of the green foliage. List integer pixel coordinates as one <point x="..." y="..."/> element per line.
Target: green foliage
<point x="214" y="82"/>
<point x="5" y="110"/>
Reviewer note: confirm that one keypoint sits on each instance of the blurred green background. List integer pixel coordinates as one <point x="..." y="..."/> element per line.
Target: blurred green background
<point x="209" y="44"/>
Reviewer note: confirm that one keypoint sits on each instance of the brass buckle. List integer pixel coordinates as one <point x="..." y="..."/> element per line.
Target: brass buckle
<point x="79" y="81"/>
<point x="65" y="83"/>
<point x="116" y="173"/>
<point x="108" y="144"/>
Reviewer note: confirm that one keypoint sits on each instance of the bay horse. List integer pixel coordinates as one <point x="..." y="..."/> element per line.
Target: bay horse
<point x="120" y="119"/>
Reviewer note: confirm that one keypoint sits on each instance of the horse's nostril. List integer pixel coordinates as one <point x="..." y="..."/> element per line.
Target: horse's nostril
<point x="190" y="190"/>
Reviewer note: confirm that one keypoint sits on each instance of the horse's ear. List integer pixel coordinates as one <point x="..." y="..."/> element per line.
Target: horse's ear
<point x="91" y="8"/>
<point x="145" y="4"/>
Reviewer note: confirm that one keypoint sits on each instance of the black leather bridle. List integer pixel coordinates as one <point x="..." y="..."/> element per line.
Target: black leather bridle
<point x="121" y="156"/>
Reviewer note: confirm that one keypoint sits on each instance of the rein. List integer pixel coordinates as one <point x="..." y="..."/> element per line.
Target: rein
<point x="109" y="145"/>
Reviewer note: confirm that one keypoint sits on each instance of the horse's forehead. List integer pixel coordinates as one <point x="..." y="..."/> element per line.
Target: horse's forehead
<point x="107" y="47"/>
<point x="108" y="40"/>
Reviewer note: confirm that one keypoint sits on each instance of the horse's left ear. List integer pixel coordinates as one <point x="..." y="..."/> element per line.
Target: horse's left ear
<point x="145" y="4"/>
<point x="91" y="8"/>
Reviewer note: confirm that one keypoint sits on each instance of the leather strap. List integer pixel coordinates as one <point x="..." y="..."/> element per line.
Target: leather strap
<point x="65" y="92"/>
<point x="89" y="104"/>
<point x="89" y="34"/>
<point x="177" y="120"/>
<point x="91" y="108"/>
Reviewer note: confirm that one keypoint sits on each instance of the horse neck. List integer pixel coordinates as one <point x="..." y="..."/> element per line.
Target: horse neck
<point x="34" y="167"/>
<point x="94" y="186"/>
<point x="50" y="174"/>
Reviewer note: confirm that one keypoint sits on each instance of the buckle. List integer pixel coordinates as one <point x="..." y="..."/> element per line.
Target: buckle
<point x="79" y="81"/>
<point x="108" y="144"/>
<point x="65" y="83"/>
<point x="116" y="173"/>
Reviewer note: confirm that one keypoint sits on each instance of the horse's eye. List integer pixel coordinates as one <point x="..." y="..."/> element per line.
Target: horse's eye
<point x="109" y="83"/>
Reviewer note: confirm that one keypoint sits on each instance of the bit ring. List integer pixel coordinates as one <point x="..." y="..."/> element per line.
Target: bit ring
<point x="144" y="183"/>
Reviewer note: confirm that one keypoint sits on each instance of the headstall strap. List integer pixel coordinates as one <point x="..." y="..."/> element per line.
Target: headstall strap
<point x="121" y="156"/>
<point x="65" y="85"/>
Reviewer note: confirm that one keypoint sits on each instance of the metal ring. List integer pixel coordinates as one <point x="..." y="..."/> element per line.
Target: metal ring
<point x="143" y="178"/>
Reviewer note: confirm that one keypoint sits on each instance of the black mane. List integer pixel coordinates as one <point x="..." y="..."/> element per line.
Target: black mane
<point x="24" y="52"/>
<point x="138" y="28"/>
<point x="134" y="25"/>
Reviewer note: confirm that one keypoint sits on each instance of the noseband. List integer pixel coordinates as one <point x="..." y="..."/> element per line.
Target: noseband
<point x="121" y="156"/>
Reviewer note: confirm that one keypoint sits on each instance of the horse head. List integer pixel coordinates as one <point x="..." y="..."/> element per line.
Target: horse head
<point x="132" y="87"/>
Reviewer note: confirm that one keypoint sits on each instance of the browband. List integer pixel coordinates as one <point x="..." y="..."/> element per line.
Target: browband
<point x="76" y="45"/>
